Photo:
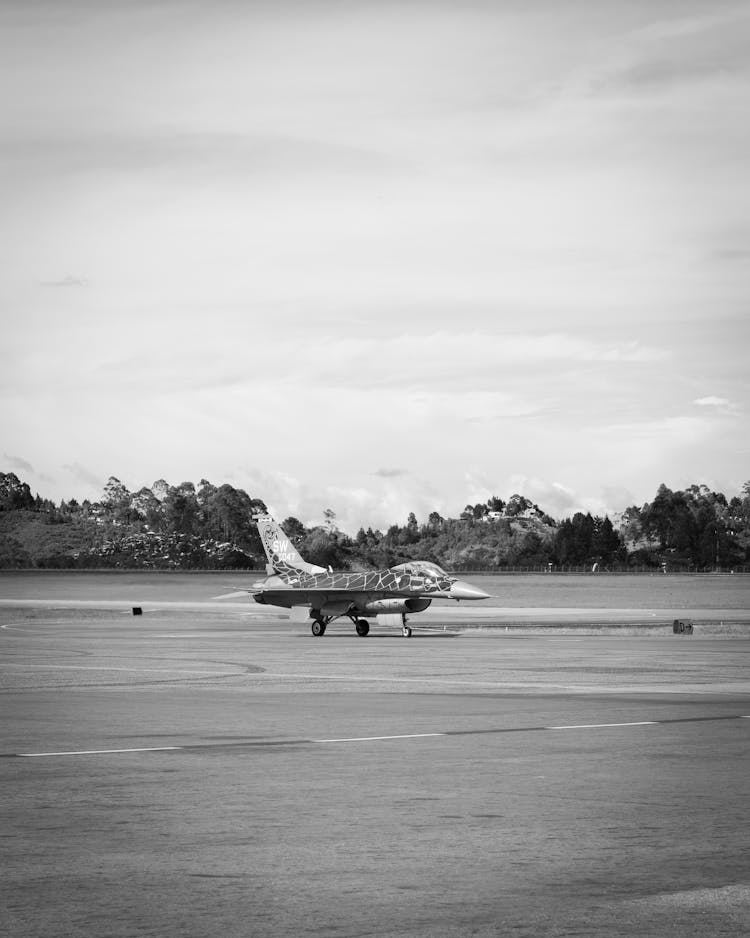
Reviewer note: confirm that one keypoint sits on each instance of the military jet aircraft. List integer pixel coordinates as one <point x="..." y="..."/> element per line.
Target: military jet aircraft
<point x="390" y="594"/>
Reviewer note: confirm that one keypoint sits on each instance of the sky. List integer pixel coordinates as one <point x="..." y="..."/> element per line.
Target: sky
<point x="378" y="257"/>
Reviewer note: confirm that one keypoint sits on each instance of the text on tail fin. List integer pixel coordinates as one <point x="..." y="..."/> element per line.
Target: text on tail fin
<point x="278" y="547"/>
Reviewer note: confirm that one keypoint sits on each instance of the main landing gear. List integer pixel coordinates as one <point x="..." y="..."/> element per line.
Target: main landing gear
<point x="319" y="623"/>
<point x="362" y="626"/>
<point x="318" y="626"/>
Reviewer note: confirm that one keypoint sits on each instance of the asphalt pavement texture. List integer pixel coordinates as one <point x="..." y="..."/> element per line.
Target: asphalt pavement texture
<point x="207" y="772"/>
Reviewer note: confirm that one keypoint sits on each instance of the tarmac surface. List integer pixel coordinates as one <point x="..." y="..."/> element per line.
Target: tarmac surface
<point x="202" y="771"/>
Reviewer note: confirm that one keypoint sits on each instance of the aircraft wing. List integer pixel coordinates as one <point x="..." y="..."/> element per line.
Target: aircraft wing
<point x="307" y="597"/>
<point x="302" y="594"/>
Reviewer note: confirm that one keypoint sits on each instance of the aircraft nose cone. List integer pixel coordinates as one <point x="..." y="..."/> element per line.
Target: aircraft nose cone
<point x="462" y="590"/>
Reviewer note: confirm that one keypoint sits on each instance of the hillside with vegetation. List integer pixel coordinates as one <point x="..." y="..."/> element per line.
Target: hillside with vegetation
<point x="183" y="527"/>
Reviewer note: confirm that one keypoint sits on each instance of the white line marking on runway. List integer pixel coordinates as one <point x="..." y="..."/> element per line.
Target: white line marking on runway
<point x="367" y="739"/>
<point x="594" y="726"/>
<point x="96" y="752"/>
<point x="354" y="739"/>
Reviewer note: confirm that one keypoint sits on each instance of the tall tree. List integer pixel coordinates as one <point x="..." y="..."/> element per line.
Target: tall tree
<point x="181" y="509"/>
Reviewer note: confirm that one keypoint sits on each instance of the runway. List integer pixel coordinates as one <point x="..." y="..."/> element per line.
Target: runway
<point x="194" y="771"/>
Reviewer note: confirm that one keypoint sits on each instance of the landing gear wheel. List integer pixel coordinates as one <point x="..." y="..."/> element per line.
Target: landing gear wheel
<point x="362" y="626"/>
<point x="318" y="628"/>
<point x="406" y="631"/>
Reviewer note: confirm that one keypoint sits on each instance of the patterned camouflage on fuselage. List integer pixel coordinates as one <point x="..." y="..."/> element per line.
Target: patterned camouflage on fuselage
<point x="406" y="588"/>
<point x="417" y="578"/>
<point x="397" y="581"/>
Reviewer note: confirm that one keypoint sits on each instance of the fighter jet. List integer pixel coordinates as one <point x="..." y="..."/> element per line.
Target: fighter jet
<point x="390" y="594"/>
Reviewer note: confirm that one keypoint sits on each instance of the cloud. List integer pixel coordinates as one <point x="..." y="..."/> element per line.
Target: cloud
<point x="561" y="501"/>
<point x="617" y="498"/>
<point x="380" y="502"/>
<point x="555" y="499"/>
<point x="16" y="462"/>
<point x="712" y="401"/>
<point x="24" y="466"/>
<point x="719" y="405"/>
<point x="669" y="52"/>
<point x="552" y="497"/>
<point x="479" y="486"/>
<point x="68" y="281"/>
<point x="420" y="268"/>
<point x="479" y="376"/>
<point x="733" y="254"/>
<point x="82" y="474"/>
<point x="698" y="25"/>
<point x="476" y="362"/>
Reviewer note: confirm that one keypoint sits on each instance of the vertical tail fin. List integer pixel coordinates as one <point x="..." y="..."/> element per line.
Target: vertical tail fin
<point x="282" y="554"/>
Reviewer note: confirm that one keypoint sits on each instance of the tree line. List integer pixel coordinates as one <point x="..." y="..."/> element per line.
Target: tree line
<point x="186" y="526"/>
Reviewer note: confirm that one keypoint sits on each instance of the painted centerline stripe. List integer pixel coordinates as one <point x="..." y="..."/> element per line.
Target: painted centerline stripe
<point x="596" y="726"/>
<point x="263" y="743"/>
<point x="96" y="752"/>
<point x="366" y="739"/>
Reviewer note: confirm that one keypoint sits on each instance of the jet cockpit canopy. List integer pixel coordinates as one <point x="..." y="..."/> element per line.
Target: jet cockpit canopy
<point x="421" y="568"/>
